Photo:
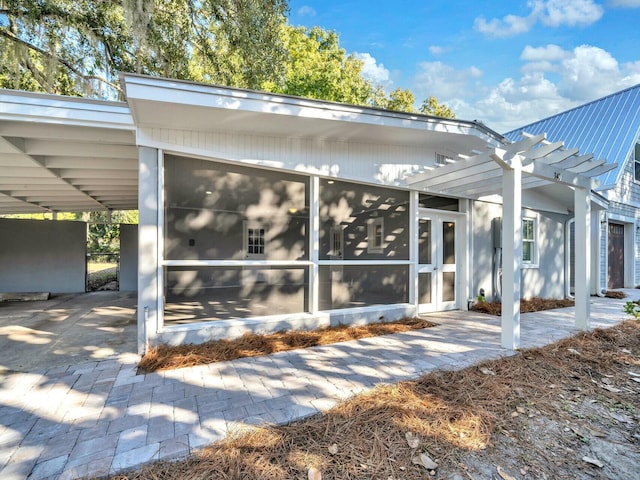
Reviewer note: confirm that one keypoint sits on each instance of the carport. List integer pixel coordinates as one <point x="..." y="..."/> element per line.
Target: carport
<point x="62" y="154"/>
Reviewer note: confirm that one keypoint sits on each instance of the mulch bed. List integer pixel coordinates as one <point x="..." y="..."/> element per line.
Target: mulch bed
<point x="526" y="305"/>
<point x="165" y="357"/>
<point x="446" y="415"/>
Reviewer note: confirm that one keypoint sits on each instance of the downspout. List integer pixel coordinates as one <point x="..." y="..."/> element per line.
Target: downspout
<point x="603" y="221"/>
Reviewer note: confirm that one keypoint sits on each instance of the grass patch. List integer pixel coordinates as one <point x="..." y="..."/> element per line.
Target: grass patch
<point x="526" y="305"/>
<point x="165" y="357"/>
<point x="484" y="415"/>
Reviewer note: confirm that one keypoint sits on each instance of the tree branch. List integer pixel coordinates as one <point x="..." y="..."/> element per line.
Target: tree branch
<point x="64" y="63"/>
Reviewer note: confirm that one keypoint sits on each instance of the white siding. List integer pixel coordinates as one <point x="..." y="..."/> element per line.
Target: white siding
<point x="373" y="163"/>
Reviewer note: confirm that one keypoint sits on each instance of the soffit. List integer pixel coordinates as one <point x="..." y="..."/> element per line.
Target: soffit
<point x="65" y="154"/>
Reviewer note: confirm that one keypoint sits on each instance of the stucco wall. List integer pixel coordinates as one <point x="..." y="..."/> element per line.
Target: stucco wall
<point x="546" y="279"/>
<point x="128" y="258"/>
<point x="42" y="256"/>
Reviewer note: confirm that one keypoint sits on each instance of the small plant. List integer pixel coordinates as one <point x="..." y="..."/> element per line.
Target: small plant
<point x="481" y="299"/>
<point x="632" y="308"/>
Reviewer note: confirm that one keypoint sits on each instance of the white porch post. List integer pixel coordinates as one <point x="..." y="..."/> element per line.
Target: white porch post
<point x="148" y="248"/>
<point x="511" y="255"/>
<point x="413" y="250"/>
<point x="314" y="242"/>
<point x="583" y="256"/>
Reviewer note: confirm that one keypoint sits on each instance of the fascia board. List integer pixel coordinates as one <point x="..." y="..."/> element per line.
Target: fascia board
<point x="178" y="93"/>
<point x="44" y="108"/>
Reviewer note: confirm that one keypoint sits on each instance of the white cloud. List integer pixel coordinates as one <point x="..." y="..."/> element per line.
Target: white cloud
<point x="372" y="70"/>
<point x="624" y="3"/>
<point x="540" y="54"/>
<point x="306" y="11"/>
<point x="552" y="13"/>
<point x="552" y="80"/>
<point x="556" y="13"/>
<point x="437" y="50"/>
<point x="507" y="27"/>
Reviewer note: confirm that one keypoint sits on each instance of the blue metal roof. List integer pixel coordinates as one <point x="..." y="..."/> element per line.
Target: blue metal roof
<point x="608" y="127"/>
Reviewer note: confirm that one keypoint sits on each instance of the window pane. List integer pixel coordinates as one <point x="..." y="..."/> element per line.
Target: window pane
<point x="218" y="293"/>
<point x="424" y="242"/>
<point x="449" y="243"/>
<point x="208" y="207"/>
<point x="637" y="167"/>
<point x="527" y="229"/>
<point x="527" y="252"/>
<point x="424" y="287"/>
<point x="355" y="207"/>
<point x="448" y="286"/>
<point x="439" y="203"/>
<point x="361" y="285"/>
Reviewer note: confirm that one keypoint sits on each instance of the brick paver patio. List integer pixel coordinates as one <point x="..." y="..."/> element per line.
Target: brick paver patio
<point x="100" y="418"/>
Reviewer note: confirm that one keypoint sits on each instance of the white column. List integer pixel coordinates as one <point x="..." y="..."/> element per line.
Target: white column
<point x="148" y="249"/>
<point x="413" y="250"/>
<point x="583" y="256"/>
<point x="511" y="256"/>
<point x="314" y="242"/>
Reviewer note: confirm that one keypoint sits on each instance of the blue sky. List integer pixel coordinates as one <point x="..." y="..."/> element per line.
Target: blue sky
<point x="506" y="63"/>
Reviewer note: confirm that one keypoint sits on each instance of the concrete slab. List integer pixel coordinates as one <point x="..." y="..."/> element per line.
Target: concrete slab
<point x="67" y="329"/>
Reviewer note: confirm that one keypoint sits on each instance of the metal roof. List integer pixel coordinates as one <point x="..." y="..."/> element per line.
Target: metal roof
<point x="608" y="127"/>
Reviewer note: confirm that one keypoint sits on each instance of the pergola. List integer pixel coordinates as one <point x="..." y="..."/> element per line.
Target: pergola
<point x="529" y="163"/>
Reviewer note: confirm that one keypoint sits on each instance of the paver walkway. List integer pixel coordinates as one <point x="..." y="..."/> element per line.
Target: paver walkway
<point x="99" y="418"/>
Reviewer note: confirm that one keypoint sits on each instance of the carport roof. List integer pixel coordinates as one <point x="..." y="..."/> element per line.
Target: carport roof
<point x="66" y="154"/>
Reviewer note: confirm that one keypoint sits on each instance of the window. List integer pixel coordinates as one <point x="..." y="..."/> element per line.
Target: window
<point x="375" y="235"/>
<point x="637" y="162"/>
<point x="443" y="159"/>
<point x="255" y="240"/>
<point x="336" y="242"/>
<point x="529" y="241"/>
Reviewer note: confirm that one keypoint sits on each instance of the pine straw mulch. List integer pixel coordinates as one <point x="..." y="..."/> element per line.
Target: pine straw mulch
<point x="460" y="418"/>
<point x="165" y="357"/>
<point x="527" y="305"/>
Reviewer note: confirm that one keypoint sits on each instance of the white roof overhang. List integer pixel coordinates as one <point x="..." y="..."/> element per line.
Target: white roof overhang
<point x="181" y="105"/>
<point x="65" y="154"/>
<point x="544" y="166"/>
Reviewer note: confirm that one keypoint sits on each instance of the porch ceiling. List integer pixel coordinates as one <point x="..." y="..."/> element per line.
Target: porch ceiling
<point x="65" y="154"/>
<point x="542" y="163"/>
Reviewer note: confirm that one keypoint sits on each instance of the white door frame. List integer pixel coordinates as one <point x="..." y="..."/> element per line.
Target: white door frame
<point x="437" y="267"/>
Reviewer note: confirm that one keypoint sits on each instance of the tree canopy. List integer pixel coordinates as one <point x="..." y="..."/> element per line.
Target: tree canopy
<point x="77" y="46"/>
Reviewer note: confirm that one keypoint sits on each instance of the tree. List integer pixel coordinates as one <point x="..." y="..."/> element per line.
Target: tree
<point x="77" y="47"/>
<point x="431" y="107"/>
<point x="318" y="68"/>
<point x="400" y="100"/>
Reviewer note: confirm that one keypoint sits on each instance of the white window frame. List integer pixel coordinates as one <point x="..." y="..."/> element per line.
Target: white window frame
<point x="375" y="235"/>
<point x="253" y="225"/>
<point x="533" y="263"/>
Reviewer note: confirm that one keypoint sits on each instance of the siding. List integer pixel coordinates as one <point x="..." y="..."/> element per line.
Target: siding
<point x="372" y="163"/>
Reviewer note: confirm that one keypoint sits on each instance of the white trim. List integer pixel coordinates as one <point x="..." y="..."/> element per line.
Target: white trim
<point x="160" y="260"/>
<point x="535" y="261"/>
<point x="235" y="263"/>
<point x="314" y="243"/>
<point x="364" y="262"/>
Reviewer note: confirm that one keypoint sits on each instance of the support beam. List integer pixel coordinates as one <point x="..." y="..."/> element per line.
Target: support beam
<point x="511" y="255"/>
<point x="314" y="244"/>
<point x="582" y="202"/>
<point x="148" y="246"/>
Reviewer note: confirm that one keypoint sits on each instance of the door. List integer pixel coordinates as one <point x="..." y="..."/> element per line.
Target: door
<point x="437" y="269"/>
<point x="616" y="256"/>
